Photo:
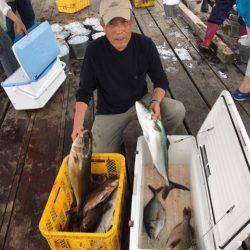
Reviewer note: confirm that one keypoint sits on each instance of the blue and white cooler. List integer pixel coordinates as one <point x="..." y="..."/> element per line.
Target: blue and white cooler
<point x="41" y="72"/>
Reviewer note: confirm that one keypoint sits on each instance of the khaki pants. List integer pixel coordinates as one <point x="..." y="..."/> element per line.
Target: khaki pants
<point x="108" y="129"/>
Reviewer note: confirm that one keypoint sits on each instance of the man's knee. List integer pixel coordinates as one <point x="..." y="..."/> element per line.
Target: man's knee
<point x="179" y="112"/>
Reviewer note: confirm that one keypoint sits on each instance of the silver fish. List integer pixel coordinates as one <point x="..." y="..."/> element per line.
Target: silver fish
<point x="156" y="138"/>
<point x="182" y="236"/>
<point x="154" y="215"/>
<point x="107" y="218"/>
<point x="79" y="167"/>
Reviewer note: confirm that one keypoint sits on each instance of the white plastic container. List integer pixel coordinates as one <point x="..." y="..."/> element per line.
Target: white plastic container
<point x="219" y="168"/>
<point x="36" y="94"/>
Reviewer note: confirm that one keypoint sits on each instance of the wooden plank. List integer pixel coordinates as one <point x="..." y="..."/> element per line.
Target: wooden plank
<point x="38" y="174"/>
<point x="233" y="75"/>
<point x="4" y="105"/>
<point x="14" y="139"/>
<point x="181" y="87"/>
<point x="224" y="53"/>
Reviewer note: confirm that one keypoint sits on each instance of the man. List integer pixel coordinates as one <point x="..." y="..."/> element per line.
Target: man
<point x="116" y="65"/>
<point x="218" y="15"/>
<point x="25" y="11"/>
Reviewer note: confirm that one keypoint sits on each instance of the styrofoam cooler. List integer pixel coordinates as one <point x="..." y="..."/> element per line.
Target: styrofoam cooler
<point x="218" y="159"/>
<point x="36" y="94"/>
<point x="41" y="72"/>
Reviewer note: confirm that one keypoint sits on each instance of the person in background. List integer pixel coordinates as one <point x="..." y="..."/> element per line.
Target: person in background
<point x="7" y="57"/>
<point x="26" y="13"/>
<point x="243" y="92"/>
<point x="220" y="12"/>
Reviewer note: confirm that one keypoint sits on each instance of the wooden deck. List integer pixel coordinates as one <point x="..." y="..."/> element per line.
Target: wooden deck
<point x="33" y="143"/>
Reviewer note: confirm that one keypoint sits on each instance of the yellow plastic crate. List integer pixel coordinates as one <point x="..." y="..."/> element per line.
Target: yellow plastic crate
<point x="71" y="6"/>
<point x="140" y="4"/>
<point x="54" y="217"/>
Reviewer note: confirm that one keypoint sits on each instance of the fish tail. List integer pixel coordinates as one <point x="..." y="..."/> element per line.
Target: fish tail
<point x="155" y="191"/>
<point x="174" y="185"/>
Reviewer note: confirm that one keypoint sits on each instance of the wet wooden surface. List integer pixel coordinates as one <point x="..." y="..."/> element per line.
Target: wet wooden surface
<point x="33" y="143"/>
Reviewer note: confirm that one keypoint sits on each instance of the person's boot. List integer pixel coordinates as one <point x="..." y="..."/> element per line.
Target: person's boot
<point x="243" y="30"/>
<point x="204" y="6"/>
<point x="210" y="33"/>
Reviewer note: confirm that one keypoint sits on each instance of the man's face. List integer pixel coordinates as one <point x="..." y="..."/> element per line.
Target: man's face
<point x="118" y="32"/>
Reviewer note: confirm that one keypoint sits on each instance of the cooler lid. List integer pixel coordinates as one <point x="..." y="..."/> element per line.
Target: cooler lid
<point x="225" y="151"/>
<point x="37" y="50"/>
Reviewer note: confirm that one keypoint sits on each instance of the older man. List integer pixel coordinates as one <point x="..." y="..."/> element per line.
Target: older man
<point x="116" y="65"/>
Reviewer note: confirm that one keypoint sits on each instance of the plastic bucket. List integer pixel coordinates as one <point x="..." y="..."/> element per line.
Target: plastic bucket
<point x="244" y="49"/>
<point x="64" y="55"/>
<point x="191" y="4"/>
<point x="171" y="11"/>
<point x="78" y="44"/>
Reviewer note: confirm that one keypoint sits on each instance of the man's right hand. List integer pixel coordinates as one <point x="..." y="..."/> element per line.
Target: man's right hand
<point x="77" y="131"/>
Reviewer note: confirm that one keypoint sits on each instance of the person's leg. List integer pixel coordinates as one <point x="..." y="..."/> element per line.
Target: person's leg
<point x="218" y="15"/>
<point x="26" y="12"/>
<point x="9" y="22"/>
<point x="107" y="132"/>
<point x="7" y="58"/>
<point x="243" y="93"/>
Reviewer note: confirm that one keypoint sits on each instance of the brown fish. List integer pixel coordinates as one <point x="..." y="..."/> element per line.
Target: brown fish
<point x="91" y="219"/>
<point x="182" y="236"/>
<point x="100" y="194"/>
<point x="79" y="167"/>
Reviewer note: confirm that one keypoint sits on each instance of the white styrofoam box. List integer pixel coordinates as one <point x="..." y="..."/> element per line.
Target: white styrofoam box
<point x="219" y="179"/>
<point x="36" y="94"/>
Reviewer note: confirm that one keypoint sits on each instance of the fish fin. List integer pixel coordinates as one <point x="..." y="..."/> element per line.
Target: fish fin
<point x="76" y="159"/>
<point x="155" y="191"/>
<point x="165" y="192"/>
<point x="174" y="185"/>
<point x="168" y="143"/>
<point x="175" y="243"/>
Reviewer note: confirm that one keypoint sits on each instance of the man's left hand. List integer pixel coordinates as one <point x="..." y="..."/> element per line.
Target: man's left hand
<point x="155" y="106"/>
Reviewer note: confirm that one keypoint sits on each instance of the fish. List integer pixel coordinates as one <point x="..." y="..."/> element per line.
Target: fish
<point x="154" y="215"/>
<point x="158" y="143"/>
<point x="107" y="218"/>
<point x="79" y="168"/>
<point x="91" y="218"/>
<point x="100" y="194"/>
<point x="182" y="235"/>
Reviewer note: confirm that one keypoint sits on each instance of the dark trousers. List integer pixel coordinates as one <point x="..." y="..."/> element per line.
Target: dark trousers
<point x="26" y="12"/>
<point x="221" y="11"/>
<point x="7" y="58"/>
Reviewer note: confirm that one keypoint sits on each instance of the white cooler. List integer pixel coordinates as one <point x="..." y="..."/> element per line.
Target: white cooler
<point x="219" y="168"/>
<point x="41" y="72"/>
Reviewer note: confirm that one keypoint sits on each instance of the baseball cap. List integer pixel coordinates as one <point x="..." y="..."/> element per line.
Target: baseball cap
<point x="110" y="9"/>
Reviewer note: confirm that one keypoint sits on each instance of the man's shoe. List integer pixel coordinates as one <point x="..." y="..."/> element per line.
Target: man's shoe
<point x="210" y="33"/>
<point x="240" y="96"/>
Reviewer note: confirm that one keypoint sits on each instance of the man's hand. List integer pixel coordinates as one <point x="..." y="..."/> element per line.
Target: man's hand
<point x="77" y="130"/>
<point x="155" y="106"/>
<point x="20" y="27"/>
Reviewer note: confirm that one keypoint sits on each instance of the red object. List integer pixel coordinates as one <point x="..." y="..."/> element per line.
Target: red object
<point x="243" y="30"/>
<point x="210" y="33"/>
